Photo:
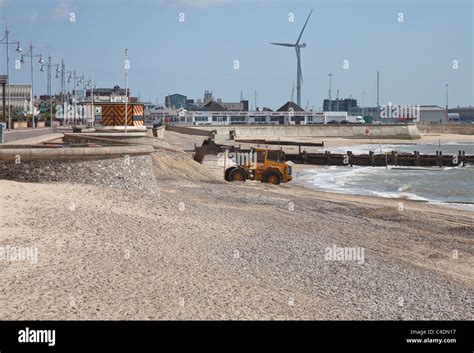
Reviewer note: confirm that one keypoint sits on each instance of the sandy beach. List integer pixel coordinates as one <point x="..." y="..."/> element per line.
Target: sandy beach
<point x="202" y="248"/>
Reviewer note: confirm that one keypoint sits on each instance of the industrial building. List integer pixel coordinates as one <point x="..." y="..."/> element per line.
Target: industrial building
<point x="433" y="114"/>
<point x="364" y="111"/>
<point x="466" y="114"/>
<point x="339" y="105"/>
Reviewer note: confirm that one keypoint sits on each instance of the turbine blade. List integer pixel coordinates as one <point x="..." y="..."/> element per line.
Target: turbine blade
<point x="284" y="44"/>
<point x="299" y="38"/>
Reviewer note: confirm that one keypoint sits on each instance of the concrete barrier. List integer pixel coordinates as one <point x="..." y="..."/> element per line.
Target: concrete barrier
<point x="399" y="131"/>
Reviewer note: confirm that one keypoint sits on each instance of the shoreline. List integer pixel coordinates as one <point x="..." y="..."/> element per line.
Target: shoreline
<point x="298" y="168"/>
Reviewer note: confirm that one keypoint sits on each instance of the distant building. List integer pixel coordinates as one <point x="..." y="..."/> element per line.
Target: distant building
<point x="289" y="113"/>
<point x="433" y="114"/>
<point x="176" y="101"/>
<point x="207" y="97"/>
<point x="155" y="114"/>
<point x="107" y="95"/>
<point x="241" y="106"/>
<point x="339" y="105"/>
<point x="466" y="114"/>
<point x="364" y="111"/>
<point x="46" y="97"/>
<point x="212" y="106"/>
<point x="293" y="117"/>
<point x="237" y="107"/>
<point x="191" y="105"/>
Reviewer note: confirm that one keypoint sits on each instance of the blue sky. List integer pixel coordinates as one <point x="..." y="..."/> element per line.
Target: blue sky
<point x="415" y="57"/>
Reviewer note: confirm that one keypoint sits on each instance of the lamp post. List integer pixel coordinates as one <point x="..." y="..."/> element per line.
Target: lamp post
<point x="73" y="75"/>
<point x="91" y="84"/>
<point x="65" y="95"/>
<point x="80" y="79"/>
<point x="7" y="42"/>
<point x="63" y="79"/>
<point x="330" y="89"/>
<point x="447" y="96"/>
<point x="127" y="67"/>
<point x="41" y="61"/>
<point x="363" y="96"/>
<point x="49" y="65"/>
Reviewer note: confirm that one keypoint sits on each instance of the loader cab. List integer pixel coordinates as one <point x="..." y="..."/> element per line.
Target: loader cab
<point x="261" y="155"/>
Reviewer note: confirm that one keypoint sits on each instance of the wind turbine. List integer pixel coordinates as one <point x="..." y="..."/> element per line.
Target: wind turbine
<point x="297" y="46"/>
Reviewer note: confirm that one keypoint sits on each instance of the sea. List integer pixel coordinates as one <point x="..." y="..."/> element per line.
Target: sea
<point x="450" y="186"/>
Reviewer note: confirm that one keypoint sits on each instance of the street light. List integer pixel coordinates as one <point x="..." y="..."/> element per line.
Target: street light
<point x="363" y="95"/>
<point x="41" y="61"/>
<point x="73" y="75"/>
<point x="49" y="65"/>
<point x="7" y="42"/>
<point x="64" y="81"/>
<point x="90" y="83"/>
<point x="447" y="96"/>
<point x="79" y="79"/>
<point x="126" y="67"/>
<point x="330" y="89"/>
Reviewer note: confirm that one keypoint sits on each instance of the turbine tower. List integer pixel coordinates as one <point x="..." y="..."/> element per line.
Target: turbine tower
<point x="298" y="46"/>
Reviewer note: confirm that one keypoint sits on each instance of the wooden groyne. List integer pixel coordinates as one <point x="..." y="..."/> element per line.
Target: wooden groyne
<point x="394" y="158"/>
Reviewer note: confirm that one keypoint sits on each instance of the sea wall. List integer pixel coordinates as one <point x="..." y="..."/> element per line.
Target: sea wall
<point x="461" y="129"/>
<point x="13" y="153"/>
<point x="399" y="131"/>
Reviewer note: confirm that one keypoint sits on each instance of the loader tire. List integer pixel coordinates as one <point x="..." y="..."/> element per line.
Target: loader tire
<point x="272" y="177"/>
<point x="227" y="172"/>
<point x="237" y="174"/>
